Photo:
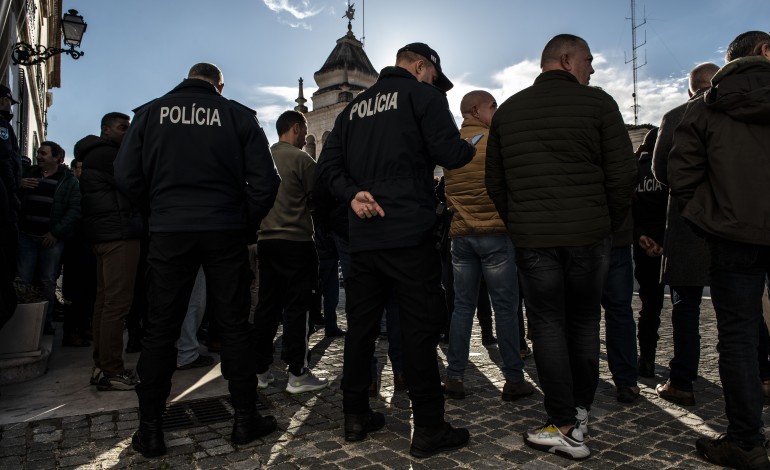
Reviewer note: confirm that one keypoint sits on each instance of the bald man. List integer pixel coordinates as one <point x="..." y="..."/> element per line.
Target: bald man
<point x="561" y="172"/>
<point x="685" y="269"/>
<point x="481" y="249"/>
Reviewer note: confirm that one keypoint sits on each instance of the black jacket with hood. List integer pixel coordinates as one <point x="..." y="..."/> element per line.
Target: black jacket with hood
<point x="107" y="215"/>
<point x="719" y="167"/>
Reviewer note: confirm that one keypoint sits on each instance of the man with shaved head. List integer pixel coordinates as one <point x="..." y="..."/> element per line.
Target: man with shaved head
<point x="561" y="172"/>
<point x="481" y="249"/>
<point x="685" y="269"/>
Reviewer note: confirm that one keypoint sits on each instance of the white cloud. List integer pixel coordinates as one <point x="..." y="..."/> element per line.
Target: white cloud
<point x="298" y="9"/>
<point x="271" y="101"/>
<point x="656" y="96"/>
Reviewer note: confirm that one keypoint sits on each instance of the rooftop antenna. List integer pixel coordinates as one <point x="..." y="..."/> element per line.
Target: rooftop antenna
<point x="634" y="47"/>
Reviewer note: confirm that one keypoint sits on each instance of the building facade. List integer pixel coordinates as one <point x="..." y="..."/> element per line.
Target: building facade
<point x="346" y="73"/>
<point x="33" y="22"/>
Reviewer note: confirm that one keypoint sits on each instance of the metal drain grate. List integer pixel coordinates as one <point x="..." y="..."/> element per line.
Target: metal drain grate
<point x="194" y="413"/>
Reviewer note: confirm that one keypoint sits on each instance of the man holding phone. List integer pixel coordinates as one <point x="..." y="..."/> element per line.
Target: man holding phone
<point x="481" y="247"/>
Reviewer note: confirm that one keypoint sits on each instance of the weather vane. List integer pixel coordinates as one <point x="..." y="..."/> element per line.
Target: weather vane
<point x="351" y="12"/>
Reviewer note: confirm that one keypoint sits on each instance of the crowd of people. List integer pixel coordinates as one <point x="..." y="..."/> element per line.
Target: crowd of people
<point x="546" y="205"/>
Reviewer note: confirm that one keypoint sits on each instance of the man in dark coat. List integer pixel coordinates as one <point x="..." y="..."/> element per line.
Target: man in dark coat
<point x="684" y="265"/>
<point x="114" y="227"/>
<point x="561" y="172"/>
<point x="718" y="170"/>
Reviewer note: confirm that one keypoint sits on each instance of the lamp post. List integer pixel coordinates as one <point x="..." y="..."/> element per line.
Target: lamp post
<point x="72" y="26"/>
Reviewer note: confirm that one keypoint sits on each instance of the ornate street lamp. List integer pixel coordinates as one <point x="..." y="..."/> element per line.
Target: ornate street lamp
<point x="72" y="26"/>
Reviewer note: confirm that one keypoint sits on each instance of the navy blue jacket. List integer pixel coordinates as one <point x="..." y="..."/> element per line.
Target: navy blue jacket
<point x="198" y="162"/>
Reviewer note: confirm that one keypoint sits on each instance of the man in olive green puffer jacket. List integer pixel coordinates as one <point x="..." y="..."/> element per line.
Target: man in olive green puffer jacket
<point x="561" y="172"/>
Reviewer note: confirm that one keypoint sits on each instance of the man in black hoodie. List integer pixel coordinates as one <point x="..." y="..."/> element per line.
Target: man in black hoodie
<point x="114" y="227"/>
<point x="718" y="170"/>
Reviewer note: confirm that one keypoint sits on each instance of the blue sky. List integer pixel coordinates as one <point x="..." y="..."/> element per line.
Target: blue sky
<point x="137" y="50"/>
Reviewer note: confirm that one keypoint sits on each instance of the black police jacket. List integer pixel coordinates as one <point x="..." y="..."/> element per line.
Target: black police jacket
<point x="10" y="174"/>
<point x="198" y="162"/>
<point x="387" y="141"/>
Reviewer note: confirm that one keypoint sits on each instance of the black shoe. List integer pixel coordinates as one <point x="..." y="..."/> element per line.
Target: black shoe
<point x="335" y="333"/>
<point x="200" y="361"/>
<point x="646" y="368"/>
<point x="628" y="394"/>
<point x="249" y="426"/>
<point x="428" y="441"/>
<point x="357" y="426"/>
<point x="148" y="439"/>
<point x="727" y="453"/>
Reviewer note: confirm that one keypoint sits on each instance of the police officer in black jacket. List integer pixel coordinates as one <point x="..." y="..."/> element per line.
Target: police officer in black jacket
<point x="200" y="164"/>
<point x="10" y="175"/>
<point x="379" y="158"/>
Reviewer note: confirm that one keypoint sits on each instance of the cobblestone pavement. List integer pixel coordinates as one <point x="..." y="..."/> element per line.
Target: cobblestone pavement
<point x="649" y="434"/>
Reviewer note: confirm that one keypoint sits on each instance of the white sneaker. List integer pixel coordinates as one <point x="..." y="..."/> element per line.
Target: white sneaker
<point x="550" y="439"/>
<point x="306" y="382"/>
<point x="582" y="420"/>
<point x="263" y="380"/>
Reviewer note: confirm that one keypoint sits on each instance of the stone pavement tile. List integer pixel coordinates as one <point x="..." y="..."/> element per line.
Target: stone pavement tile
<point x="13" y="446"/>
<point x="43" y="464"/>
<point x="77" y="459"/>
<point x="245" y="465"/>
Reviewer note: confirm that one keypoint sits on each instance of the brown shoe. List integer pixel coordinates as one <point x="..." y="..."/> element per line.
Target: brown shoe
<point x="399" y="382"/>
<point x="766" y="391"/>
<point x="514" y="391"/>
<point x="670" y="393"/>
<point x="454" y="388"/>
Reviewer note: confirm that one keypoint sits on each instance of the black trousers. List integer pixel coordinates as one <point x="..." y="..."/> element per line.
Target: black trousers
<point x="288" y="281"/>
<point x="78" y="284"/>
<point x="415" y="274"/>
<point x="172" y="265"/>
<point x="651" y="291"/>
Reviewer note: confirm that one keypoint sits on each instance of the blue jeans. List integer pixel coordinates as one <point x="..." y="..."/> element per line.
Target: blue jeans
<point x="33" y="260"/>
<point x="187" y="344"/>
<point x="685" y="319"/>
<point x="563" y="287"/>
<point x="620" y="327"/>
<point x="490" y="256"/>
<point x="738" y="273"/>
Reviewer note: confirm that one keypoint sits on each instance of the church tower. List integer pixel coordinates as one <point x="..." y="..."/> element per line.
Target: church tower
<point x="346" y="73"/>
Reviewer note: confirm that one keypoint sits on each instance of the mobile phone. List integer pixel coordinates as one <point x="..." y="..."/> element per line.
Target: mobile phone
<point x="475" y="139"/>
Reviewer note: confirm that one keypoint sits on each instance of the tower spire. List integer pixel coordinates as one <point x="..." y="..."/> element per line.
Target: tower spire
<point x="301" y="99"/>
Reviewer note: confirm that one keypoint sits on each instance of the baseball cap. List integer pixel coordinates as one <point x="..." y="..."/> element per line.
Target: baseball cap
<point x="5" y="92"/>
<point x="442" y="83"/>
